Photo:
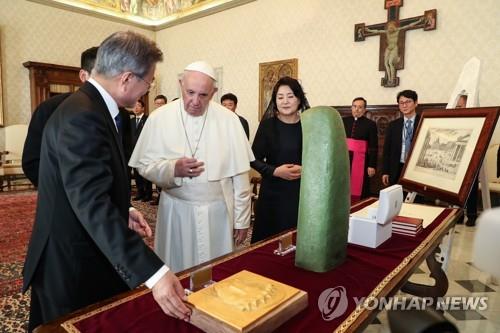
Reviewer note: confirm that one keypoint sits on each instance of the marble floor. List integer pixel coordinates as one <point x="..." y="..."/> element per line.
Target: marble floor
<point x="464" y="280"/>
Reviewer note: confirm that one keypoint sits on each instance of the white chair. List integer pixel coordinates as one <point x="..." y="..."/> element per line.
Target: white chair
<point x="10" y="160"/>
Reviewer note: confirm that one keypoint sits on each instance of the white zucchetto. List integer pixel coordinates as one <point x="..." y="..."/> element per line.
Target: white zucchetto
<point x="202" y="67"/>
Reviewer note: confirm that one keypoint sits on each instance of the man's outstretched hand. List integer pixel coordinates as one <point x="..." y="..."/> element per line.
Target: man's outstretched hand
<point x="169" y="294"/>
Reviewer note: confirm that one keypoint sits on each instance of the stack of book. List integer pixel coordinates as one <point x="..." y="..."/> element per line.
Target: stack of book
<point x="408" y="226"/>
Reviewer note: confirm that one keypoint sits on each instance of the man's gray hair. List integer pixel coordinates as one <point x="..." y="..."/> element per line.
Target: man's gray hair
<point x="126" y="51"/>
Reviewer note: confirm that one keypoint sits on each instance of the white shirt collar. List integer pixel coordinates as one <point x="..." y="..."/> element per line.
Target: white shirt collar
<point x="412" y="118"/>
<point x="110" y="102"/>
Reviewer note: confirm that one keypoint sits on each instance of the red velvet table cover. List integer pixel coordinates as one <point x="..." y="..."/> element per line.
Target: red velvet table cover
<point x="362" y="271"/>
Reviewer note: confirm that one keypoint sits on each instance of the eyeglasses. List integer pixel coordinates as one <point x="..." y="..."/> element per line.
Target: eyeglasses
<point x="150" y="84"/>
<point x="409" y="101"/>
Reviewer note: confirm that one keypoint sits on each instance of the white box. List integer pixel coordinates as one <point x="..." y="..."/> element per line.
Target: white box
<point x="367" y="232"/>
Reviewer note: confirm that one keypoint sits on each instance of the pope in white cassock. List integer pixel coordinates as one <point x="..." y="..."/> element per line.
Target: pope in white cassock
<point x="198" y="153"/>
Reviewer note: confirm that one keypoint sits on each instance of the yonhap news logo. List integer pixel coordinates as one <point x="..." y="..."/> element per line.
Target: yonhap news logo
<point x="333" y="303"/>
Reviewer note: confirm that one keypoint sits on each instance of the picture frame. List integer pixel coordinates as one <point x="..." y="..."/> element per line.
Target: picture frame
<point x="269" y="74"/>
<point x="447" y="152"/>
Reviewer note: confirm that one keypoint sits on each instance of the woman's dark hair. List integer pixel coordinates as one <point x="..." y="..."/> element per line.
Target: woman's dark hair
<point x="297" y="91"/>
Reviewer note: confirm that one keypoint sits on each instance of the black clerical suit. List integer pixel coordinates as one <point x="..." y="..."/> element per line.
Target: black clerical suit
<point x="144" y="186"/>
<point x="366" y="130"/>
<point x="81" y="250"/>
<point x="33" y="142"/>
<point x="393" y="146"/>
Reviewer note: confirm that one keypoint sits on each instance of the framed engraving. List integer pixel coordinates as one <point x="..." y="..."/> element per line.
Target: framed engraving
<point x="269" y="74"/>
<point x="448" y="151"/>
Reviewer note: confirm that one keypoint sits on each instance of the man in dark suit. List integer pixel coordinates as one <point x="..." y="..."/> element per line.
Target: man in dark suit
<point x="86" y="242"/>
<point x="359" y="128"/>
<point x="32" y="145"/>
<point x="399" y="137"/>
<point x="33" y="142"/>
<point x="230" y="101"/>
<point x="144" y="186"/>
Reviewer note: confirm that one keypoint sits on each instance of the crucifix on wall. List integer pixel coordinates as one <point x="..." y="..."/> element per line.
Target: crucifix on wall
<point x="392" y="38"/>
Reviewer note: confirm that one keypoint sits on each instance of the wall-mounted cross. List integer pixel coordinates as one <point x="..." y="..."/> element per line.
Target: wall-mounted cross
<point x="392" y="38"/>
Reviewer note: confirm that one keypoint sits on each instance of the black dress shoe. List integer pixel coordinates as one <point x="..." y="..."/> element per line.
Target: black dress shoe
<point x="471" y="222"/>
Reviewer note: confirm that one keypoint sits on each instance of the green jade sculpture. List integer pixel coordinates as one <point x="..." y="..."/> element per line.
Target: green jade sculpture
<point x="324" y="204"/>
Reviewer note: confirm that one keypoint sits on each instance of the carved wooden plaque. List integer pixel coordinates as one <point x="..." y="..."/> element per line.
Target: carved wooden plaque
<point x="245" y="302"/>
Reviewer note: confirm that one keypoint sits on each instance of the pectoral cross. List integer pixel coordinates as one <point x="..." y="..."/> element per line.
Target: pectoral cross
<point x="392" y="38"/>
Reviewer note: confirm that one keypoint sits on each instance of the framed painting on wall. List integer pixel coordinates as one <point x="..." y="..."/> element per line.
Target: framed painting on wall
<point x="448" y="151"/>
<point x="269" y="74"/>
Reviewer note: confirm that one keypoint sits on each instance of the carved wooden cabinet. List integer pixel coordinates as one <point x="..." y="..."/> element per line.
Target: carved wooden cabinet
<point x="383" y="115"/>
<point x="47" y="80"/>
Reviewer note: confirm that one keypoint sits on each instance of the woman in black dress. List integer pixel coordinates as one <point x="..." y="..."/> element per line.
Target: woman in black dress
<point x="278" y="152"/>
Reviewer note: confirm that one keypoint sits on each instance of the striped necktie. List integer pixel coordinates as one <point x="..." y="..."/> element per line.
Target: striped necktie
<point x="408" y="136"/>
